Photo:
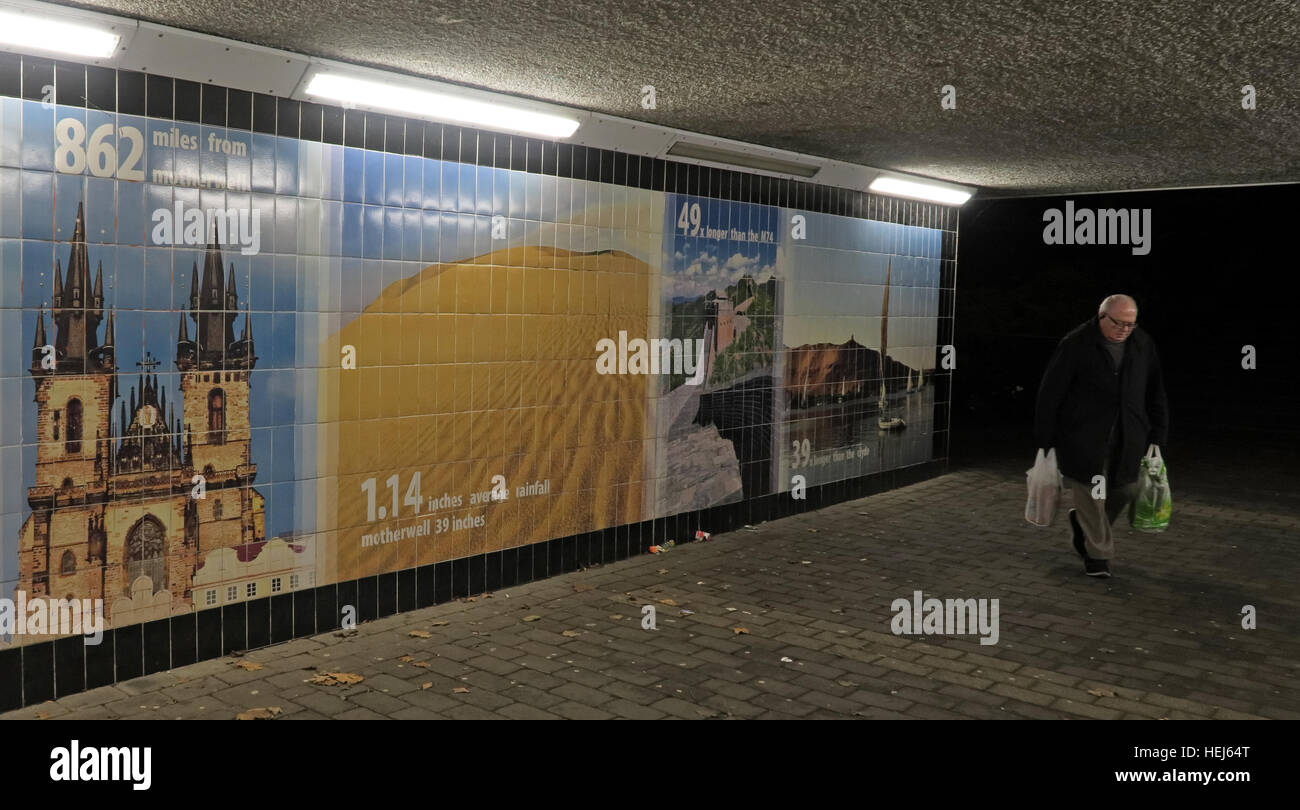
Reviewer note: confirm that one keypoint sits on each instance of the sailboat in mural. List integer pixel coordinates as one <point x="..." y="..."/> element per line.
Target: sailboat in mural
<point x="883" y="420"/>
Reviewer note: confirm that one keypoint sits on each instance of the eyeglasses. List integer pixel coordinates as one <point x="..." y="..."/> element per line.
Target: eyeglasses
<point x="1120" y="324"/>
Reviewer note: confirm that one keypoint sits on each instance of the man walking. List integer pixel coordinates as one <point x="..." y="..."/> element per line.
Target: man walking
<point x="1102" y="405"/>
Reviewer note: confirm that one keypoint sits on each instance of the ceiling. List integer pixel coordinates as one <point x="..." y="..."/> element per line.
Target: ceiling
<point x="1052" y="97"/>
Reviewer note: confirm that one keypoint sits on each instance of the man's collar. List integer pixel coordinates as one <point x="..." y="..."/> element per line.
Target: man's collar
<point x="1095" y="331"/>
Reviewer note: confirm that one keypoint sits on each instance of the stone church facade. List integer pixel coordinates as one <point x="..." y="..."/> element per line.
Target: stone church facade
<point x="114" y="513"/>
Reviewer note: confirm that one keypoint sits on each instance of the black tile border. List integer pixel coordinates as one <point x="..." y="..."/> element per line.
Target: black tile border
<point x="34" y="673"/>
<point x="37" y="672"/>
<point x="133" y="93"/>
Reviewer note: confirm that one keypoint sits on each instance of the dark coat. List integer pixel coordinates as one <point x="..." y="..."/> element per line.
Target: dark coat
<point x="1081" y="397"/>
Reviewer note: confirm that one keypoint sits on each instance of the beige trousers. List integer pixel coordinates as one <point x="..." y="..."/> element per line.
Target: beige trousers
<point x="1097" y="514"/>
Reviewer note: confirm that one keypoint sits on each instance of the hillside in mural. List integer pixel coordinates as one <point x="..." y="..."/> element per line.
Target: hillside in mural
<point x="827" y="372"/>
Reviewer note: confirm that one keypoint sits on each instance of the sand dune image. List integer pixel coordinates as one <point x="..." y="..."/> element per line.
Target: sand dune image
<point x="475" y="369"/>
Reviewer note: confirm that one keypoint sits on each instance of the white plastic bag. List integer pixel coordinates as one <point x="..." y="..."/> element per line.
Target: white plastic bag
<point x="1045" y="486"/>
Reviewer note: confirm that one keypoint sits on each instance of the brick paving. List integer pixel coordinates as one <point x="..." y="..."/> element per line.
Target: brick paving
<point x="1162" y="639"/>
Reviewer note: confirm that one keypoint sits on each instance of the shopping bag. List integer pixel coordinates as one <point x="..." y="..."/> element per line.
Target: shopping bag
<point x="1154" y="504"/>
<point x="1045" y="486"/>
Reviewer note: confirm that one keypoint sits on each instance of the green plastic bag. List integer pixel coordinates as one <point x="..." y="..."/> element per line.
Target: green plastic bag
<point x="1154" y="504"/>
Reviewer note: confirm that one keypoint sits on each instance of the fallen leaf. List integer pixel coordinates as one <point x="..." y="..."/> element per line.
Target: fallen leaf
<point x="421" y="664"/>
<point x="259" y="713"/>
<point x="1101" y="692"/>
<point x="336" y="679"/>
<point x="248" y="666"/>
<point x="730" y="610"/>
<point x="668" y="602"/>
<point x="580" y="587"/>
<point x="740" y="630"/>
<point x="616" y="616"/>
<point x="805" y="562"/>
<point x="42" y="716"/>
<point x="407" y="658"/>
<point x="531" y="618"/>
<point x="460" y="690"/>
<point x="441" y="623"/>
<point x="420" y="634"/>
<point x="471" y="599"/>
<point x="571" y="633"/>
<point x="663" y="570"/>
<point x="426" y="685"/>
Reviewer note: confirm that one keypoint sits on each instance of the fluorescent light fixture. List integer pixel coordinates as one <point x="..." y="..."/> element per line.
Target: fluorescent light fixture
<point x="26" y="31"/>
<point x="715" y="154"/>
<point x="899" y="187"/>
<point x="423" y="103"/>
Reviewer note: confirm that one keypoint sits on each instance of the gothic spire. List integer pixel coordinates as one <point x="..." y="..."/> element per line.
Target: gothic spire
<point x="110" y="334"/>
<point x="40" y="329"/>
<point x="58" y="285"/>
<point x="97" y="298"/>
<point x="78" y="280"/>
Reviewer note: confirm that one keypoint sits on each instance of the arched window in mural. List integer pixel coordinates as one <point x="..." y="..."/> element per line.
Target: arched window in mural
<point x="72" y="444"/>
<point x="216" y="416"/>
<point x="216" y="510"/>
<point x="146" y="548"/>
<point x="68" y="564"/>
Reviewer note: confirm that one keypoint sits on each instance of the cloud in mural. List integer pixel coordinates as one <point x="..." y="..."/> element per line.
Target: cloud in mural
<point x="708" y="272"/>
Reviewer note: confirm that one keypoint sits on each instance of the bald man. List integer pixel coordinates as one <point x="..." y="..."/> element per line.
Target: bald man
<point x="1102" y="406"/>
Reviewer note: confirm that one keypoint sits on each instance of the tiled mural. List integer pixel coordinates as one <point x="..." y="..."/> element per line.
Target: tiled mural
<point x="243" y="359"/>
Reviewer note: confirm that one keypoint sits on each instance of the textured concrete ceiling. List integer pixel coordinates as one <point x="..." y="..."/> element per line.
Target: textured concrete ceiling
<point x="1052" y="96"/>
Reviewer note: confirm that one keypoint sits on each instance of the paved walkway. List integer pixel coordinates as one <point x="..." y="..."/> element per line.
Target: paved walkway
<point x="792" y="619"/>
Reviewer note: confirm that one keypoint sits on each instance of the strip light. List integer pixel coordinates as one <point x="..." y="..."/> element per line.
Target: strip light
<point x="43" y="34"/>
<point x="735" y="157"/>
<point x="919" y="191"/>
<point x="440" y="106"/>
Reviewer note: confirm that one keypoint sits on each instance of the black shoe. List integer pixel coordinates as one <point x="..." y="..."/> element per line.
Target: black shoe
<point x="1078" y="536"/>
<point x="1096" y="568"/>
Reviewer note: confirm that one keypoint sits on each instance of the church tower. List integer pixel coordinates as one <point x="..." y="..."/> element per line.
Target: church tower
<point x="75" y="388"/>
<point x="215" y="370"/>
